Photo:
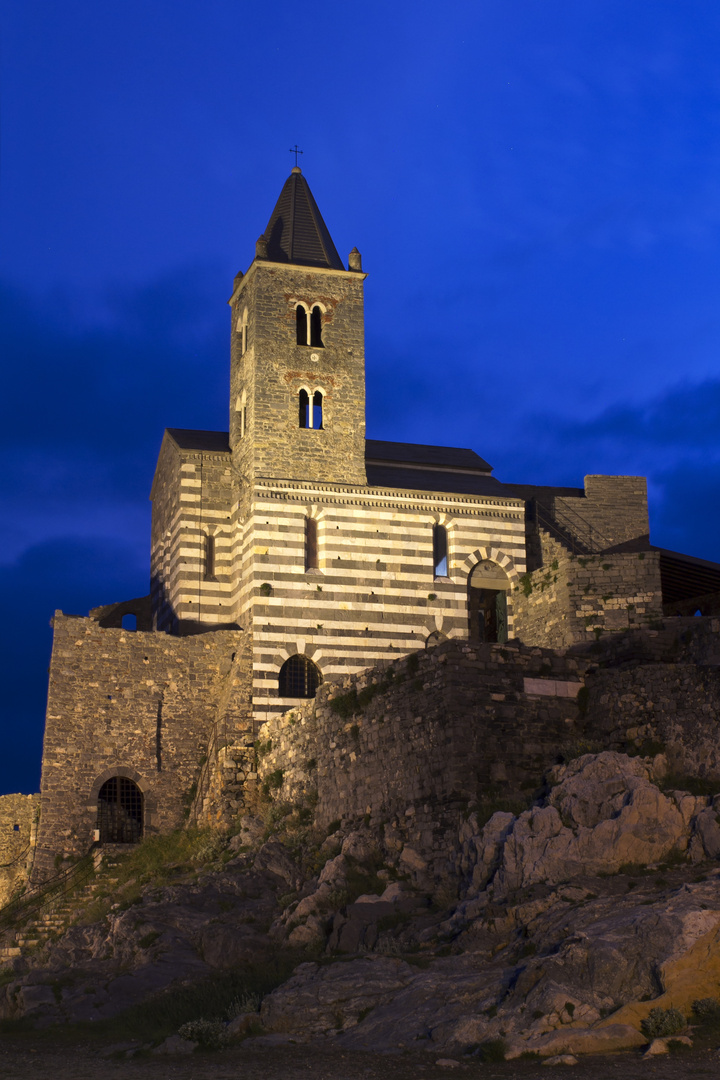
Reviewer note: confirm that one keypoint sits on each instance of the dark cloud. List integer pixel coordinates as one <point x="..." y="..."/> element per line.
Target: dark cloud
<point x="671" y="439"/>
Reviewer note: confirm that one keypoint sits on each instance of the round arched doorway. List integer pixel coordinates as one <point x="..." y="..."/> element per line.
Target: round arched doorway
<point x="299" y="677"/>
<point x="488" y="587"/>
<point x="120" y="811"/>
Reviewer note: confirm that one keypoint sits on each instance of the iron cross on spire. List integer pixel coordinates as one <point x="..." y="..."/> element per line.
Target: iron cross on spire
<point x="295" y="151"/>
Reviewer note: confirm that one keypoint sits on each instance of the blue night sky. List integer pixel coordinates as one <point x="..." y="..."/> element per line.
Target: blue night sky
<point x="534" y="186"/>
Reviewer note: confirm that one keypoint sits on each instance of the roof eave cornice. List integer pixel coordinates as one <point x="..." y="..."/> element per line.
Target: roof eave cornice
<point x="358" y="274"/>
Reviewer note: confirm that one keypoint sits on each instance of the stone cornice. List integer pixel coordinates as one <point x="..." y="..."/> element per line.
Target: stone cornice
<point x="390" y="498"/>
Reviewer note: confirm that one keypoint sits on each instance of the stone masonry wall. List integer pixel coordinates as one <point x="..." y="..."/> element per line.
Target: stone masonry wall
<point x="432" y="735"/>
<point x="572" y="599"/>
<point x="613" y="511"/>
<point x="459" y="724"/>
<point x="660" y="690"/>
<point x="18" y="821"/>
<point x="141" y="705"/>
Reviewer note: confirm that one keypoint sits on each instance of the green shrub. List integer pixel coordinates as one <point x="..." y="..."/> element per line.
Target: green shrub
<point x="492" y="1050"/>
<point x="209" y="1034"/>
<point x="663" y="1022"/>
<point x="707" y="1011"/>
<point x="265" y="588"/>
<point x="345" y="705"/>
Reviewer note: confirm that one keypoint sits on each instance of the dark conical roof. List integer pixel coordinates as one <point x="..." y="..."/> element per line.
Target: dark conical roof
<point x="296" y="232"/>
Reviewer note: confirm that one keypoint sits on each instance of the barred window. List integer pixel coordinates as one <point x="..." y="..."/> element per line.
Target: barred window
<point x="299" y="678"/>
<point x="120" y="811"/>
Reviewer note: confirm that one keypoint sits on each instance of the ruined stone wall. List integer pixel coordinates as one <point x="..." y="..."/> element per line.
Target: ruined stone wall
<point x="660" y="691"/>
<point x="18" y="822"/>
<point x="415" y="744"/>
<point x="613" y="511"/>
<point x="571" y="599"/>
<point x="432" y="735"/>
<point x="141" y="705"/>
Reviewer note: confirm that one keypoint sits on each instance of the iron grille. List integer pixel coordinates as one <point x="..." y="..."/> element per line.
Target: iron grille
<point x="120" y="811"/>
<point x="299" y="678"/>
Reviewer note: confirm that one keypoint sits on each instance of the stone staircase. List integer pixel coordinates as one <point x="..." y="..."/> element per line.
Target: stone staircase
<point x="54" y="915"/>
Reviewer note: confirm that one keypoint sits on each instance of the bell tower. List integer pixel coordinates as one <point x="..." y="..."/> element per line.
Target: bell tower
<point x="297" y="381"/>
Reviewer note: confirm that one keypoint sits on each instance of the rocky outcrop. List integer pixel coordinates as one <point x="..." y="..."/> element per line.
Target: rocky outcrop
<point x="574" y="919"/>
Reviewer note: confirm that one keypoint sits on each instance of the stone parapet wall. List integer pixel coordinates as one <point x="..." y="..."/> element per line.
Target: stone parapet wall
<point x="460" y="725"/>
<point x="660" y="690"/>
<point x="18" y="827"/>
<point x="433" y="735"/>
<point x="571" y="599"/>
<point x="613" y="511"/>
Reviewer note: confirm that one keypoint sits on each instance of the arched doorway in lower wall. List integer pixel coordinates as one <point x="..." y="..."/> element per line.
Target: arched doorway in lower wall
<point x="120" y="811"/>
<point x="488" y="587"/>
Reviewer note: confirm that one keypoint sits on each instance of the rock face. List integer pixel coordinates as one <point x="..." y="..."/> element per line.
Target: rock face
<point x="565" y="933"/>
<point x="604" y="813"/>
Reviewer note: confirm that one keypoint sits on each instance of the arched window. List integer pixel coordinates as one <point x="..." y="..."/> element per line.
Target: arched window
<point x="311" y="544"/>
<point x="304" y="402"/>
<point x="317" y="416"/>
<point x="316" y="327"/>
<point x="299" y="678"/>
<point x="242" y="329"/>
<point x="209" y="558"/>
<point x="129" y="622"/>
<point x="440" y="551"/>
<point x="120" y="811"/>
<point x="241" y="408"/>
<point x="301" y="322"/>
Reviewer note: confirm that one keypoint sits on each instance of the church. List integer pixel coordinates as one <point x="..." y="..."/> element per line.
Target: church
<point x="291" y="549"/>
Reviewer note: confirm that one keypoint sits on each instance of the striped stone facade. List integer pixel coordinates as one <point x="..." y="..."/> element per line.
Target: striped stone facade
<point x="230" y="511"/>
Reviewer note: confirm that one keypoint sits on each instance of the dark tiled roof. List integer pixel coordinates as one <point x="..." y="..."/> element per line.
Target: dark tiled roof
<point x="439" y="457"/>
<point x="684" y="576"/>
<point x="296" y="232"/>
<point x="460" y="483"/>
<point x="215" y="442"/>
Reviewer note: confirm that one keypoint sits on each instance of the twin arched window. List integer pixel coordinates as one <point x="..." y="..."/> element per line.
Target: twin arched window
<point x="311" y="415"/>
<point x="314" y="317"/>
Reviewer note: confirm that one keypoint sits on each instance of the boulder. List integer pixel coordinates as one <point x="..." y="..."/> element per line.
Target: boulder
<point x="594" y="1040"/>
<point x="604" y="814"/>
<point x="274" y="858"/>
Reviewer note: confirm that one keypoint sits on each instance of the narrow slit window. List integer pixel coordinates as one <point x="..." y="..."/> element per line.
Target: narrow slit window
<point x="311" y="544"/>
<point x="317" y="417"/>
<point x="242" y="329"/>
<point x="440" y="551"/>
<point x="209" y="558"/>
<point x="304" y="409"/>
<point x="241" y="408"/>
<point x="316" y="327"/>
<point x="301" y="323"/>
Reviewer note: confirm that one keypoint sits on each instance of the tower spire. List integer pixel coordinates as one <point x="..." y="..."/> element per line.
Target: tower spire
<point x="296" y="232"/>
